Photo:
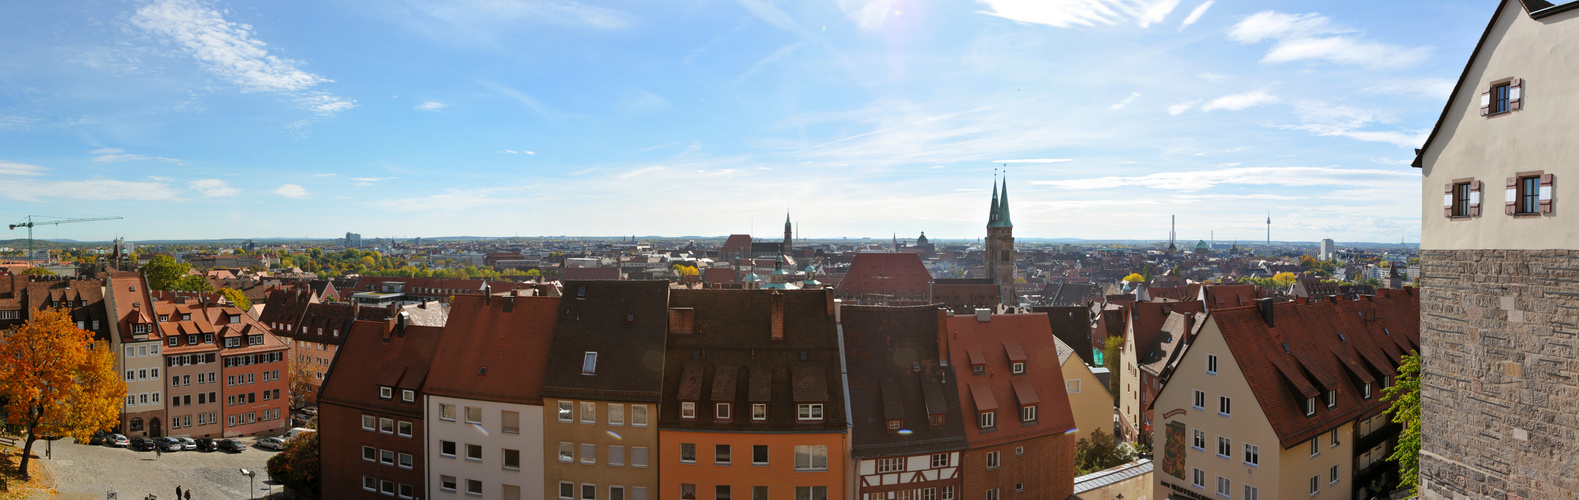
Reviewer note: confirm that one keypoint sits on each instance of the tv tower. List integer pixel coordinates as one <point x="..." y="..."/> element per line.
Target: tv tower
<point x="1269" y="228"/>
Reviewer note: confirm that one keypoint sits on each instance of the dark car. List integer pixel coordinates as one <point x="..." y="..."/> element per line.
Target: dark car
<point x="167" y="444"/>
<point x="98" y="438"/>
<point x="141" y="444"/>
<point x="206" y="444"/>
<point x="231" y="445"/>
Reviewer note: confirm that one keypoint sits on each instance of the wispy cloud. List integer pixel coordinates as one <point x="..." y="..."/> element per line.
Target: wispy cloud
<point x="1120" y="105"/>
<point x="1179" y="108"/>
<point x="1428" y="88"/>
<point x="870" y="14"/>
<point x="522" y="97"/>
<point x="1195" y="15"/>
<point x="1259" y="176"/>
<point x="368" y="181"/>
<point x="213" y="188"/>
<point x="229" y="51"/>
<point x="765" y="62"/>
<point x="514" y="152"/>
<point x="1035" y="160"/>
<point x="13" y="168"/>
<point x="1298" y="37"/>
<point x="431" y="106"/>
<point x="1066" y="13"/>
<point x="114" y="155"/>
<point x="1236" y="102"/>
<point x="1325" y="119"/>
<point x="291" y="191"/>
<point x="98" y="189"/>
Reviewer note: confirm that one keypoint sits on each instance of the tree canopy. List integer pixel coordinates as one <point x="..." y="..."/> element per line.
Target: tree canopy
<point x="55" y="379"/>
<point x="1284" y="278"/>
<point x="297" y="466"/>
<point x="1405" y="396"/>
<point x="1097" y="452"/>
<point x="1135" y="278"/>
<point x="37" y="271"/>
<point x="163" y="272"/>
<point x="236" y="298"/>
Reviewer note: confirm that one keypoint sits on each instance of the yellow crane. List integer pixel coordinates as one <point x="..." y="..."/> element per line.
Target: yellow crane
<point x="30" y="222"/>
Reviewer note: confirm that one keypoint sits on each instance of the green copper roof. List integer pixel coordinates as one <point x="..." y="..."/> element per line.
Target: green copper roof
<point x="1000" y="207"/>
<point x="992" y="211"/>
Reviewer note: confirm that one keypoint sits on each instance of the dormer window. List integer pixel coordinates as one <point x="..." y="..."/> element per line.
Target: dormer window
<point x="811" y="411"/>
<point x="978" y="369"/>
<point x="987" y="419"/>
<point x="937" y="420"/>
<point x="721" y="411"/>
<point x="191" y="339"/>
<point x="688" y="409"/>
<point x="140" y="328"/>
<point x="1017" y="368"/>
<point x="759" y="411"/>
<point x="1310" y="406"/>
<point x="895" y="424"/>
<point x="163" y="318"/>
<point x="1028" y="413"/>
<point x="208" y="338"/>
<point x="589" y="363"/>
<point x="1367" y="391"/>
<point x="232" y="342"/>
<point x="408" y="395"/>
<point x="234" y="319"/>
<point x="1332" y="398"/>
<point x="385" y="392"/>
<point x="186" y="317"/>
<point x="173" y="341"/>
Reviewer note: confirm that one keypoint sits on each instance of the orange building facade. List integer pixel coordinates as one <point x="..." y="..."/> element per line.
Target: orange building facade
<point x="748" y="466"/>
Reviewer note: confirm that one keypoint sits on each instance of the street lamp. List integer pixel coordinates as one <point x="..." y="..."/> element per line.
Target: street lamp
<point x="252" y="479"/>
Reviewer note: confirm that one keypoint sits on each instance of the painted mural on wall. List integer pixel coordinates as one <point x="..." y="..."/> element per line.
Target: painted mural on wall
<point x="1173" y="451"/>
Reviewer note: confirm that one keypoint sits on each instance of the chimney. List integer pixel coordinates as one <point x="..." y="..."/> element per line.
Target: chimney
<point x="1265" y="306"/>
<point x="838" y="309"/>
<point x="778" y="315"/>
<point x="983" y="315"/>
<point x="401" y="321"/>
<point x="943" y="353"/>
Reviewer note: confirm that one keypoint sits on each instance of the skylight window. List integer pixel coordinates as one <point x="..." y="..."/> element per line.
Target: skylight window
<point x="589" y="364"/>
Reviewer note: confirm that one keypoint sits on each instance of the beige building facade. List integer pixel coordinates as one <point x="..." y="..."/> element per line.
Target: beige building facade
<point x="607" y="447"/>
<point x="483" y="449"/>
<point x="1089" y="399"/>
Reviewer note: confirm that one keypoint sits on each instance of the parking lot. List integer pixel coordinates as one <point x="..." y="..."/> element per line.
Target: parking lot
<point x="88" y="472"/>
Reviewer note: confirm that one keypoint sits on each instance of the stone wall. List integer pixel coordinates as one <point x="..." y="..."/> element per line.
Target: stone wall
<point x="1500" y="399"/>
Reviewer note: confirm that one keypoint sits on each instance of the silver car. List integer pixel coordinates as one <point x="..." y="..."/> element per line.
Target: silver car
<point x="188" y="443"/>
<point x="272" y="443"/>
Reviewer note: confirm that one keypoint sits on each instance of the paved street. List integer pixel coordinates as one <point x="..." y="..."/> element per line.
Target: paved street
<point x="87" y="472"/>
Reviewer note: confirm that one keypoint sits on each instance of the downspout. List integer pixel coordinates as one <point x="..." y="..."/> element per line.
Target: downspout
<point x="849" y="417"/>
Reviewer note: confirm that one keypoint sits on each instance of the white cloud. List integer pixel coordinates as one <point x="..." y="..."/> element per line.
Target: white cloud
<point x="12" y="168"/>
<point x="291" y="191"/>
<point x="1429" y="88"/>
<point x="870" y="14"/>
<point x="113" y="155"/>
<point x="1258" y="176"/>
<point x="228" y="50"/>
<point x="1066" y="13"/>
<point x="1176" y="109"/>
<point x="431" y="106"/>
<point x="1126" y="101"/>
<point x="1236" y="102"/>
<point x="161" y="178"/>
<point x="1298" y="37"/>
<point x="213" y="188"/>
<point x="514" y="152"/>
<point x="1329" y="120"/>
<point x="1035" y="160"/>
<point x="368" y="181"/>
<point x="1195" y="15"/>
<point x="33" y="190"/>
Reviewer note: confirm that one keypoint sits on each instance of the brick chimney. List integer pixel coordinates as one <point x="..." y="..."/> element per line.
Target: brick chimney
<point x="778" y="315"/>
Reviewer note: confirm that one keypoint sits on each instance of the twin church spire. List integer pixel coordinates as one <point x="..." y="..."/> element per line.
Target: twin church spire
<point x="998" y="216"/>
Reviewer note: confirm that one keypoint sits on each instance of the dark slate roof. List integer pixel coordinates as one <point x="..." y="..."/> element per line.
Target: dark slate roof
<point x="732" y="333"/>
<point x="1072" y="325"/>
<point x="1146" y="322"/>
<point x="495" y="348"/>
<point x="883" y="345"/>
<point x="624" y="322"/>
<point x="381" y="353"/>
<point x="1071" y="294"/>
<point x="284" y="309"/>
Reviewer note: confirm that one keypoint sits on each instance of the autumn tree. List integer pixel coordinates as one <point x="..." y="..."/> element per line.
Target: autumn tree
<point x="236" y="298"/>
<point x="1111" y="350"/>
<point x="300" y="380"/>
<point x="1098" y="452"/>
<point x="1284" y="278"/>
<point x="164" y="273"/>
<point x="297" y="466"/>
<point x="1405" y="397"/>
<point x="56" y="380"/>
<point x="37" y="271"/>
<point x="1134" y="278"/>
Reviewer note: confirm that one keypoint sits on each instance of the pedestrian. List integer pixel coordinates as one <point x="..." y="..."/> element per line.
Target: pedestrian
<point x="157" y="451"/>
<point x="178" y="491"/>
<point x="188" y="494"/>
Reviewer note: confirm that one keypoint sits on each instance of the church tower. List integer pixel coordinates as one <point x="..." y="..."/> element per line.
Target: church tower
<point x="788" y="245"/>
<point x="1000" y="244"/>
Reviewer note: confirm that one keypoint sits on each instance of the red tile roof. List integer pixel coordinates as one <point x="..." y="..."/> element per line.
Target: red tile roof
<point x="737" y="243"/>
<point x="893" y="274"/>
<point x="495" y="349"/>
<point x="375" y="350"/>
<point x="995" y="388"/>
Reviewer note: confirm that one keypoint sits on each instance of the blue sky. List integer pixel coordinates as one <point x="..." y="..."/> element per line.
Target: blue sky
<point x="219" y="119"/>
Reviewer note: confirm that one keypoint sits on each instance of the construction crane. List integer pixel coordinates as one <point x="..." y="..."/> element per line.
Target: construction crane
<point x="29" y="223"/>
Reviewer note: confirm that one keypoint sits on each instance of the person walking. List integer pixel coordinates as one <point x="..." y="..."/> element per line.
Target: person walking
<point x="157" y="452"/>
<point x="188" y="494"/>
<point x="178" y="491"/>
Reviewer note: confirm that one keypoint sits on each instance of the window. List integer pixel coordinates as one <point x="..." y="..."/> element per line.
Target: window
<point x="1028" y="414"/>
<point x="447" y="483"/>
<point x="1332" y="475"/>
<point x="616" y="456"/>
<point x="1017" y="368"/>
<point x="368" y="421"/>
<point x="510" y="422"/>
<point x="1366" y="391"/>
<point x="408" y="395"/>
<point x="639" y="415"/>
<point x="1198" y="479"/>
<point x="447" y="412"/>
<point x="1211" y="364"/>
<point x="1524" y="196"/>
<point x="1200" y="400"/>
<point x="589" y="491"/>
<point x="759" y="454"/>
<point x="687" y="453"/>
<point x="1224" y="445"/>
<point x="1251" y="493"/>
<point x="406" y="491"/>
<point x="386" y="425"/>
<point x="385" y="392"/>
<point x="759" y="493"/>
<point x="808" y="411"/>
<point x="565" y="407"/>
<point x="473" y="487"/>
<point x="992" y="460"/>
<point x="567" y="452"/>
<point x="1310" y="406"/>
<point x="616" y="493"/>
<point x="1072" y="386"/>
<point x="173" y="340"/>
<point x="405" y="460"/>
<point x="1332" y="398"/>
<point x="1500" y="98"/>
<point x="759" y="411"/>
<point x="988" y="419"/>
<point x="512" y="459"/>
<point x="473" y="415"/>
<point x="1222" y="486"/>
<point x="1252" y="454"/>
<point x="1315" y="485"/>
<point x="447" y="449"/>
<point x="811" y="457"/>
<point x="721" y="411"/>
<point x="616" y="414"/>
<point x="386" y="457"/>
<point x="1315" y="446"/>
<point x="1200" y="440"/>
<point x="1223" y="406"/>
<point x="1459" y="200"/>
<point x="721" y="492"/>
<point x="720" y="454"/>
<point x="474" y="452"/>
<point x="369" y="484"/>
<point x="567" y="490"/>
<point x="403" y="429"/>
<point x="992" y="494"/>
<point x="369" y="454"/>
<point x="639" y="456"/>
<point x="688" y="409"/>
<point x="811" y="493"/>
<point x="1335" y="437"/>
<point x="890" y="465"/>
<point x="589" y="363"/>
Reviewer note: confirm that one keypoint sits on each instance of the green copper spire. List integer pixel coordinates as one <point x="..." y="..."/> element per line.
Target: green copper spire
<point x="1000" y="206"/>
<point x="992" y="212"/>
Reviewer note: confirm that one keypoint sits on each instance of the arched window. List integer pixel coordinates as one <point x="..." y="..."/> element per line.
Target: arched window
<point x="137" y="424"/>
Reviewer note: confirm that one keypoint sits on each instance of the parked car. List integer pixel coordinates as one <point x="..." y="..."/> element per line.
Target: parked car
<point x="188" y="443"/>
<point x="141" y="444"/>
<point x="272" y="443"/>
<point x="98" y="438"/>
<point x="169" y="444"/>
<point x="231" y="445"/>
<point x="206" y="444"/>
<point x="116" y="440"/>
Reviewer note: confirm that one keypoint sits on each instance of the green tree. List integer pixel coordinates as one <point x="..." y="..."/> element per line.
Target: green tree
<point x="1097" y="452"/>
<point x="55" y="380"/>
<point x="37" y="271"/>
<point x="1110" y="354"/>
<point x="236" y="297"/>
<point x="192" y="283"/>
<point x="164" y="273"/>
<point x="1405" y="397"/>
<point x="297" y="466"/>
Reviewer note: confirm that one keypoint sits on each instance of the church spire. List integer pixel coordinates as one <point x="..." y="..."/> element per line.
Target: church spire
<point x="992" y="212"/>
<point x="1003" y="209"/>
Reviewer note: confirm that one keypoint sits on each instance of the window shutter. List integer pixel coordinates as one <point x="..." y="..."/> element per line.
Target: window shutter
<point x="1447" y="200"/>
<point x="1515" y="94"/>
<point x="1546" y="193"/>
<point x="1474" y="198"/>
<point x="1513" y="196"/>
<point x="1485" y="101"/>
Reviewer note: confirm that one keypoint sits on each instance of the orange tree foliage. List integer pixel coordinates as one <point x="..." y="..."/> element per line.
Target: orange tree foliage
<point x="297" y="466"/>
<point x="56" y="380"/>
